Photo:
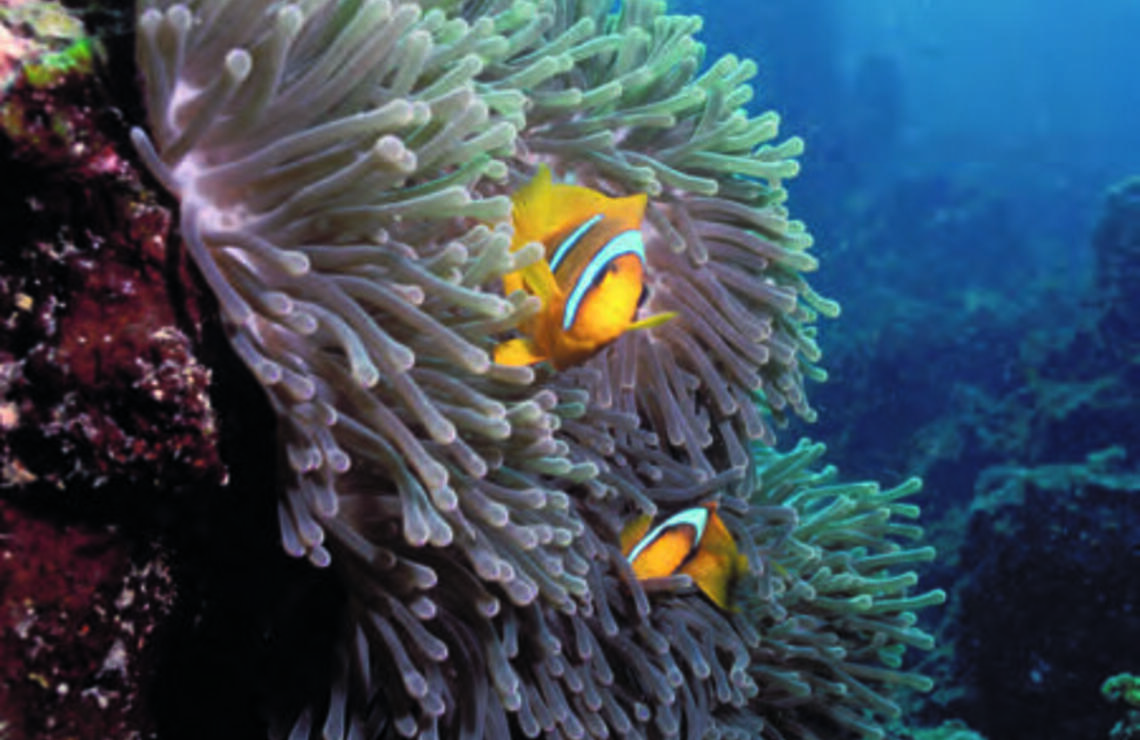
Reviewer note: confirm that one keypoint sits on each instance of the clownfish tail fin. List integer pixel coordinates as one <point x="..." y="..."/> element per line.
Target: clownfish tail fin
<point x="725" y="591"/>
<point x="652" y="321"/>
<point x="516" y="352"/>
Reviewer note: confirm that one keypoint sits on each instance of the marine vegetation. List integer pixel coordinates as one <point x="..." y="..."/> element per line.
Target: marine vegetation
<point x="344" y="170"/>
<point x="1122" y="687"/>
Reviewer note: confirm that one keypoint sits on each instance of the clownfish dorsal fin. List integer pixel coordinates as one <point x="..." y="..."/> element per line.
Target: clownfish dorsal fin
<point x="531" y="205"/>
<point x="543" y="208"/>
<point x="628" y="211"/>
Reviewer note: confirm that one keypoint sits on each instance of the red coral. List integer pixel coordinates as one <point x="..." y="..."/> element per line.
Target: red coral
<point x="77" y="618"/>
<point x="102" y="400"/>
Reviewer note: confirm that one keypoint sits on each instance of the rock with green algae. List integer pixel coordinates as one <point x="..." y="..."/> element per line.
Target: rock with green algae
<point x="39" y="39"/>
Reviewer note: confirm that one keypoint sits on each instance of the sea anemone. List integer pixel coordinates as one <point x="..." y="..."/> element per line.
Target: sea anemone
<point x="342" y="169"/>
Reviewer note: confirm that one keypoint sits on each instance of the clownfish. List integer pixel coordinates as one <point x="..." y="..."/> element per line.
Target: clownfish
<point x="694" y="542"/>
<point x="591" y="279"/>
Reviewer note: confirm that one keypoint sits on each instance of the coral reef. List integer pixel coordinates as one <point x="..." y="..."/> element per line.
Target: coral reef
<point x="40" y="40"/>
<point x="104" y="412"/>
<point x="1013" y="382"/>
<point x="898" y="316"/>
<point x="78" y="617"/>
<point x="1116" y="246"/>
<point x="1031" y="418"/>
<point x="1049" y="551"/>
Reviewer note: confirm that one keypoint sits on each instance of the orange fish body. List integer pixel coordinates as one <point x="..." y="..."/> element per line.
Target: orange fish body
<point x="694" y="542"/>
<point x="591" y="278"/>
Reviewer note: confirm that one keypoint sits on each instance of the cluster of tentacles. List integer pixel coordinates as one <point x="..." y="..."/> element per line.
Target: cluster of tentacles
<point x="343" y="169"/>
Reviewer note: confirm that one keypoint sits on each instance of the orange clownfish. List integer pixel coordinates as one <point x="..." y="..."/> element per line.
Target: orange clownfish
<point x="694" y="542"/>
<point x="591" y="279"/>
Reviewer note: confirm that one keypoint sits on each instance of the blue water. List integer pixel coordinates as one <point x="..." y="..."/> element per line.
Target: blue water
<point x="1037" y="100"/>
<point x="958" y="159"/>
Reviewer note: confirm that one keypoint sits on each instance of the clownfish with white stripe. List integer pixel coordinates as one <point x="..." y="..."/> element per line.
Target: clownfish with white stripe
<point x="591" y="280"/>
<point x="694" y="542"/>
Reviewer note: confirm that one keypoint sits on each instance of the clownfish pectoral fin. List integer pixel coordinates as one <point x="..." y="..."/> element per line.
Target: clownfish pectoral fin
<point x="539" y="280"/>
<point x="516" y="352"/>
<point x="652" y="321"/>
<point x="512" y="281"/>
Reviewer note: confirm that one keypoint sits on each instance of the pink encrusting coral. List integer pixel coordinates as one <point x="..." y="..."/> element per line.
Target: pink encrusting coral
<point x="342" y="170"/>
